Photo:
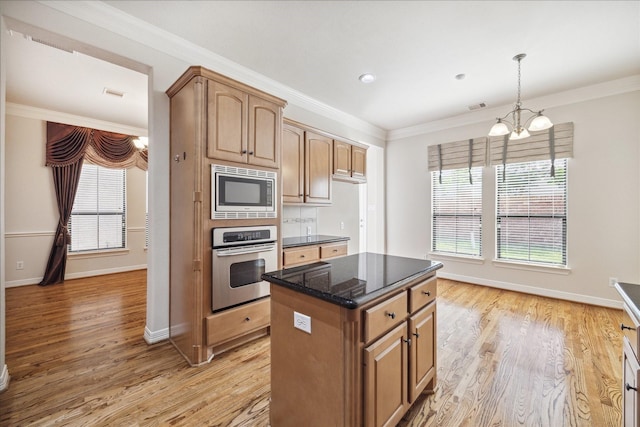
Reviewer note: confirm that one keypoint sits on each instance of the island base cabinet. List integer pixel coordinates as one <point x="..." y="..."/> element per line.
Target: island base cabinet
<point x="422" y="366"/>
<point x="630" y="382"/>
<point x="385" y="380"/>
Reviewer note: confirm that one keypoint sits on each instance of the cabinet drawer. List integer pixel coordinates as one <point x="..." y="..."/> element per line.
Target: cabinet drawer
<point x="237" y="321"/>
<point x="422" y="294"/>
<point x="302" y="255"/>
<point x="384" y="316"/>
<point x="333" y="250"/>
<point x="629" y="327"/>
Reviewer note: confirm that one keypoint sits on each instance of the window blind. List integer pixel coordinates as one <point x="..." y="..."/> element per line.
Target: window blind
<point x="457" y="211"/>
<point x="457" y="155"/>
<point x="98" y="214"/>
<point x="554" y="143"/>
<point x="532" y="212"/>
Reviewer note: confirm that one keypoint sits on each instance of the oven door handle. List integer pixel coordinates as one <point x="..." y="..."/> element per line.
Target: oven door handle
<point x="241" y="250"/>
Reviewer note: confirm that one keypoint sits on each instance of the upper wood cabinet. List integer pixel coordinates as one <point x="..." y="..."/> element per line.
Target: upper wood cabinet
<point x="318" y="163"/>
<point x="307" y="164"/>
<point x="292" y="164"/>
<point x="241" y="127"/>
<point x="349" y="162"/>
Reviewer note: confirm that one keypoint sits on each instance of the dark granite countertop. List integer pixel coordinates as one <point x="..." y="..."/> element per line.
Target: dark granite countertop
<point x="316" y="239"/>
<point x="631" y="295"/>
<point x="352" y="280"/>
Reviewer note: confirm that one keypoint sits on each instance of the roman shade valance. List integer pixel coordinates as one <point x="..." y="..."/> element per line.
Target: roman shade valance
<point x="550" y="144"/>
<point x="457" y="155"/>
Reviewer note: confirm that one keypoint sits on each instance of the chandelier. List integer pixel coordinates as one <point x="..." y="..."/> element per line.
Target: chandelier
<point x="519" y="130"/>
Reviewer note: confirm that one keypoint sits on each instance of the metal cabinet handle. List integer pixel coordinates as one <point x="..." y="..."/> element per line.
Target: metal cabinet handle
<point x="251" y="153"/>
<point x="629" y="387"/>
<point x="247" y="319"/>
<point x="392" y="314"/>
<point x="244" y="152"/>
<point x="623" y="327"/>
<point x="335" y="250"/>
<point x="415" y="334"/>
<point x="301" y="256"/>
<point x="427" y="293"/>
<point x="408" y="341"/>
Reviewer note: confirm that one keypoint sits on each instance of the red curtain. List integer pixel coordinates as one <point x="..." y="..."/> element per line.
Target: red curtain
<point x="67" y="147"/>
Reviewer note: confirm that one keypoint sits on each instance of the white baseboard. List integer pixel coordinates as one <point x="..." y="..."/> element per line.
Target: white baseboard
<point x="4" y="378"/>
<point x="78" y="275"/>
<point x="603" y="302"/>
<point x="152" y="337"/>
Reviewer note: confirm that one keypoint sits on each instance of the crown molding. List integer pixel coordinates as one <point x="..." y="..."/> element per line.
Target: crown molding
<point x="70" y="119"/>
<point x="112" y="19"/>
<point x="600" y="90"/>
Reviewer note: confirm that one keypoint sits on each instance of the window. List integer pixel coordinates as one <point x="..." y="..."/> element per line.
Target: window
<point x="457" y="211"/>
<point x="532" y="212"/>
<point x="98" y="214"/>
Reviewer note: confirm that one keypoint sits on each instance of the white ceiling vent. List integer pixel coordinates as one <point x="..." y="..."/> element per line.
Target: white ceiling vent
<point x="477" y="106"/>
<point x="113" y="92"/>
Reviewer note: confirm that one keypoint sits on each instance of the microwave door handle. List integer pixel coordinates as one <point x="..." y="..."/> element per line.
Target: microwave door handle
<point x="242" y="251"/>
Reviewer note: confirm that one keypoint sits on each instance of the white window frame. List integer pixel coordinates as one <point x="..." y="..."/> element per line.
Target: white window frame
<point x="97" y="213"/>
<point x="561" y="169"/>
<point x="452" y="181"/>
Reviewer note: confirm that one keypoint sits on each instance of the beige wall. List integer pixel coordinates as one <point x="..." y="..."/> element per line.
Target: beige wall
<point x="603" y="210"/>
<point x="31" y="212"/>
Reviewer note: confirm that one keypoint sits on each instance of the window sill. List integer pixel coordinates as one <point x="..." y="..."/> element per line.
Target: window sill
<point x="462" y="258"/>
<point x="532" y="267"/>
<point x="98" y="253"/>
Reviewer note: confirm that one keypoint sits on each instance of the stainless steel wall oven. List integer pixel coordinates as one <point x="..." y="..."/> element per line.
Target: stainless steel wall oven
<point x="240" y="255"/>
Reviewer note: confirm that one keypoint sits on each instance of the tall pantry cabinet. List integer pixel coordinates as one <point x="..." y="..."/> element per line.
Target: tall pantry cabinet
<point x="214" y="119"/>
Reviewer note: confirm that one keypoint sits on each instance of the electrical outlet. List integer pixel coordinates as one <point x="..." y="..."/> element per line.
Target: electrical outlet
<point x="341" y="225"/>
<point x="612" y="281"/>
<point x="302" y="322"/>
<point x="309" y="231"/>
<point x="19" y="265"/>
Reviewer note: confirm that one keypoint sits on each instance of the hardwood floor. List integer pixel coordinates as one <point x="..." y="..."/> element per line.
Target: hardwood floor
<point x="76" y="356"/>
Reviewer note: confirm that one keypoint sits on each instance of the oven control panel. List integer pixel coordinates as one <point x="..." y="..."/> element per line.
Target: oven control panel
<point x="228" y="236"/>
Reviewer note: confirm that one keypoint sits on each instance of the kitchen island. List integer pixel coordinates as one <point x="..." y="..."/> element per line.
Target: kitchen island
<point x="352" y="340"/>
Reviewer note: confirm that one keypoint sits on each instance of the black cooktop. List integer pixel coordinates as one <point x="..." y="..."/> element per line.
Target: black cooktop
<point x="353" y="280"/>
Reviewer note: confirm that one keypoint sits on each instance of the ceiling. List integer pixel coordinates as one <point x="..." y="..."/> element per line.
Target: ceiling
<point x="319" y="48"/>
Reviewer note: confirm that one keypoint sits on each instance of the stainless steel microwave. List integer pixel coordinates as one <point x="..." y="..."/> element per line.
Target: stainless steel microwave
<point x="241" y="193"/>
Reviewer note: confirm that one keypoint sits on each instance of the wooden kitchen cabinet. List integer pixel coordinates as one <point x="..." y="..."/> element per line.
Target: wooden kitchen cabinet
<point x="212" y="120"/>
<point x="630" y="368"/>
<point x="292" y="164"/>
<point x="241" y="127"/>
<point x="402" y="364"/>
<point x="301" y="255"/>
<point x="370" y="363"/>
<point x="318" y="164"/>
<point x="307" y="164"/>
<point x="349" y="162"/>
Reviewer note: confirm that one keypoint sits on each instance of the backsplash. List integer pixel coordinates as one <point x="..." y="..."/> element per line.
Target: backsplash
<point x="296" y="220"/>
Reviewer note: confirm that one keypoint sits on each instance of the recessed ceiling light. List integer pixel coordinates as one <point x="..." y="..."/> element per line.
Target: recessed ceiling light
<point x="460" y="76"/>
<point x="367" y="78"/>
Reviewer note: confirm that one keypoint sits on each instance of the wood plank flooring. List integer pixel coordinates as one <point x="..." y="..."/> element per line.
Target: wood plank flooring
<point x="76" y="356"/>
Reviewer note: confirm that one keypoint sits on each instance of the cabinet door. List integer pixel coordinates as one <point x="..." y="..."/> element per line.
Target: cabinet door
<point x="341" y="158"/>
<point x="292" y="164"/>
<point x="422" y="356"/>
<point x="318" y="161"/>
<point x="226" y="123"/>
<point x="385" y="379"/>
<point x="358" y="162"/>
<point x="265" y="119"/>
<point x="630" y="372"/>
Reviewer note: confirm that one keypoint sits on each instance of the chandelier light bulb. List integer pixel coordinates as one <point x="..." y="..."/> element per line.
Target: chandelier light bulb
<point x="499" y="129"/>
<point x="540" y="122"/>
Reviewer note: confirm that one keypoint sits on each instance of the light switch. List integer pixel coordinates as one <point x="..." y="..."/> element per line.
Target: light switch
<point x="302" y="322"/>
